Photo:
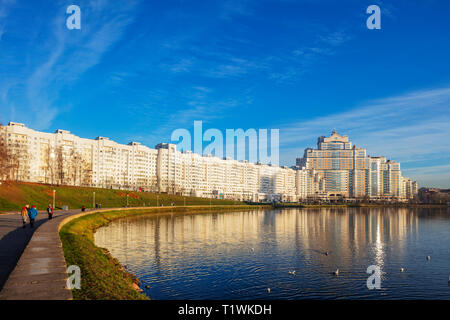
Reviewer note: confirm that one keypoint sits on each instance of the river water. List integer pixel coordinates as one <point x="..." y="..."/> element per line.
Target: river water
<point x="240" y="255"/>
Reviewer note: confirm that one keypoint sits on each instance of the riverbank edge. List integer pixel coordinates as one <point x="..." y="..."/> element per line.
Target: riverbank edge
<point x="318" y="206"/>
<point x="102" y="275"/>
<point x="310" y="206"/>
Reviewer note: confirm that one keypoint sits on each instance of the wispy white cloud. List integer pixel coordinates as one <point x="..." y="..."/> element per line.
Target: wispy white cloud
<point x="68" y="54"/>
<point x="183" y="65"/>
<point x="234" y="67"/>
<point x="299" y="61"/>
<point x="412" y="128"/>
<point x="230" y="9"/>
<point x="201" y="103"/>
<point x="434" y="176"/>
<point x="213" y="63"/>
<point x="217" y="62"/>
<point x="335" y="38"/>
<point x="5" y="7"/>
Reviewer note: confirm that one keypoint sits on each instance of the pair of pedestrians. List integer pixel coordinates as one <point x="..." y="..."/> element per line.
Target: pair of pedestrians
<point x="31" y="213"/>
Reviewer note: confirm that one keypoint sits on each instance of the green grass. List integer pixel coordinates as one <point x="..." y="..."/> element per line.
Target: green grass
<point x="102" y="276"/>
<point x="15" y="195"/>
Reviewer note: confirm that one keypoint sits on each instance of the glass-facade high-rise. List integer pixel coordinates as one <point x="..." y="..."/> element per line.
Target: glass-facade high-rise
<point x="347" y="170"/>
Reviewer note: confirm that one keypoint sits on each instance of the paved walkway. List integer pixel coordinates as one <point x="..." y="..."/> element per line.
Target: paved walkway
<point x="13" y="240"/>
<point x="32" y="267"/>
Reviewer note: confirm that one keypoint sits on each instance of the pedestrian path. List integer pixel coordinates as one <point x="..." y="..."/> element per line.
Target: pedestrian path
<point x="13" y="240"/>
<point x="32" y="264"/>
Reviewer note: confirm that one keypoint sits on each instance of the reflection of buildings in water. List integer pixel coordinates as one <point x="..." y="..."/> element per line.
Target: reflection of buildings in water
<point x="158" y="235"/>
<point x="348" y="232"/>
<point x="344" y="232"/>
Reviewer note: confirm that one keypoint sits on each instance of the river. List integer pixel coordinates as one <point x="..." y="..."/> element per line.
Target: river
<point x="241" y="255"/>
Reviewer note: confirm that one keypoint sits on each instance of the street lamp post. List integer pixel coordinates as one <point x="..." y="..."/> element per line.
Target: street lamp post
<point x="157" y="201"/>
<point x="127" y="200"/>
<point x="54" y="192"/>
<point x="185" y="201"/>
<point x="93" y="200"/>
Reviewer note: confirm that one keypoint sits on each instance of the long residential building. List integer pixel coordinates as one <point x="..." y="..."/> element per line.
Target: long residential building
<point x="334" y="169"/>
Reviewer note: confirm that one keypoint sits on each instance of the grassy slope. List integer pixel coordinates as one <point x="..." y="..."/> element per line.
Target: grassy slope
<point x="13" y="196"/>
<point x="102" y="277"/>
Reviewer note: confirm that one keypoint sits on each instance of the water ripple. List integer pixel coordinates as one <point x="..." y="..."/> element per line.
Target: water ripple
<point x="239" y="255"/>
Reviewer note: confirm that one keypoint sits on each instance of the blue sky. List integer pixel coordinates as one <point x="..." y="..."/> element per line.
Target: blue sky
<point x="137" y="70"/>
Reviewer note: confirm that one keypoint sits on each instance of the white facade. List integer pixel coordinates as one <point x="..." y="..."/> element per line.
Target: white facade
<point x="63" y="158"/>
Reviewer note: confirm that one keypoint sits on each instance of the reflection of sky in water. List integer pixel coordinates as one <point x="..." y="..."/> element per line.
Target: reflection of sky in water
<point x="238" y="255"/>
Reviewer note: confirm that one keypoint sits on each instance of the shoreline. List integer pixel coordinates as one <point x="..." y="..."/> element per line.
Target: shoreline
<point x="363" y="205"/>
<point x="287" y="206"/>
<point x="102" y="275"/>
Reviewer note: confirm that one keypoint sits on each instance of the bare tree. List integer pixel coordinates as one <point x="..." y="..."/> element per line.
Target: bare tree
<point x="49" y="166"/>
<point x="74" y="167"/>
<point x="4" y="158"/>
<point x="86" y="173"/>
<point x="71" y="168"/>
<point x="14" y="162"/>
<point x="61" y="166"/>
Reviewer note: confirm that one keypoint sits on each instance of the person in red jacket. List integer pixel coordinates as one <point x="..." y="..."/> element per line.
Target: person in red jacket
<point x="50" y="212"/>
<point x="24" y="214"/>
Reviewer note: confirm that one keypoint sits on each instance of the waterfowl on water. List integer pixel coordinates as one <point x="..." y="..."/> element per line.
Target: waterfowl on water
<point x="268" y="290"/>
<point x="401" y="269"/>
<point x="336" y="272"/>
<point x="292" y="272"/>
<point x="428" y="258"/>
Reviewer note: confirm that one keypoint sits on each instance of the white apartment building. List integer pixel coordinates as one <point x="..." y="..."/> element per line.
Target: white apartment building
<point x="410" y="188"/>
<point x="191" y="174"/>
<point x="336" y="168"/>
<point x="63" y="158"/>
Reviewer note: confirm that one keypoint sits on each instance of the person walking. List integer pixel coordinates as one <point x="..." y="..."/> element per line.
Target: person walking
<point x="50" y="212"/>
<point x="32" y="213"/>
<point x="24" y="214"/>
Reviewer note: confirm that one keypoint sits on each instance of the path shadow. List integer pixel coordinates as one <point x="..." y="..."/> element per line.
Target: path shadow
<point x="13" y="244"/>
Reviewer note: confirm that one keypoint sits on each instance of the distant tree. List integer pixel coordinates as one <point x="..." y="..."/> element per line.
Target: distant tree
<point x="74" y="168"/>
<point x="14" y="164"/>
<point x="61" y="166"/>
<point x="4" y="161"/>
<point x="49" y="166"/>
<point x="86" y="173"/>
